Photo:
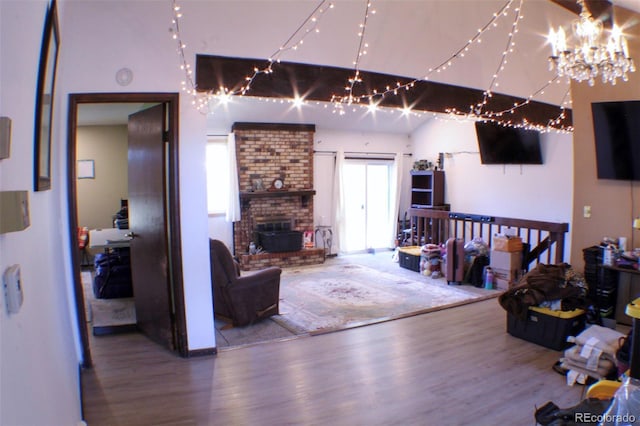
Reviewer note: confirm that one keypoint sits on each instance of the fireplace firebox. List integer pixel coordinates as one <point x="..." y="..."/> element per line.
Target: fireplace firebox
<point x="275" y="235"/>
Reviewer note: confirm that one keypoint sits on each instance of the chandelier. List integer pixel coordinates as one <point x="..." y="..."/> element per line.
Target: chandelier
<point x="592" y="55"/>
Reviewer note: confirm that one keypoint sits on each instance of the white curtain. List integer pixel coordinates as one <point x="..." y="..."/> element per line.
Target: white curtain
<point x="233" y="205"/>
<point x="338" y="202"/>
<point x="395" y="188"/>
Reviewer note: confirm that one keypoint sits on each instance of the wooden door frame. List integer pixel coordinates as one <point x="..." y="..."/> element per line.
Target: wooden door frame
<point x="173" y="221"/>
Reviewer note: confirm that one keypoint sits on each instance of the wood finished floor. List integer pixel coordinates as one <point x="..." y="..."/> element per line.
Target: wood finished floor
<point x="452" y="367"/>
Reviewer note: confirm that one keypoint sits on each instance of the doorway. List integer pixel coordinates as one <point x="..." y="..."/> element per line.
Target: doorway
<point x="367" y="199"/>
<point x="167" y="162"/>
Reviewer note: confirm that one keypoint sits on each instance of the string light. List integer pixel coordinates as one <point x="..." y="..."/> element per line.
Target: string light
<point x="460" y="53"/>
<point x="188" y="85"/>
<point x="202" y="101"/>
<point x="313" y="20"/>
<point x="362" y="46"/>
<point x="503" y="61"/>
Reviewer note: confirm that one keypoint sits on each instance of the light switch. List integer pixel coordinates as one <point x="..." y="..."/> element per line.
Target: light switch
<point x="12" y="288"/>
<point x="586" y="211"/>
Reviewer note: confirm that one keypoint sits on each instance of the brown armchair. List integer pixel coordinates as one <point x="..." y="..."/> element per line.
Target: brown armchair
<point x="242" y="299"/>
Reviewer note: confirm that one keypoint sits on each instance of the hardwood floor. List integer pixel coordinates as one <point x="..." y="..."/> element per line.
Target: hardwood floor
<point x="451" y="367"/>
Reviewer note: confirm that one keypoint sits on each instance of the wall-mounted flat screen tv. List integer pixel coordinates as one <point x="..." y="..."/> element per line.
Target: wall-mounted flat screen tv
<point x="507" y="145"/>
<point x="616" y="129"/>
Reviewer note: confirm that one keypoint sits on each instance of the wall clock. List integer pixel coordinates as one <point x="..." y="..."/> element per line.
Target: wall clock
<point x="277" y="184"/>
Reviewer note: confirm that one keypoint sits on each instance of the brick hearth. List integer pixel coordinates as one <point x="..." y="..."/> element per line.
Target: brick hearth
<point x="266" y="152"/>
<point x="249" y="262"/>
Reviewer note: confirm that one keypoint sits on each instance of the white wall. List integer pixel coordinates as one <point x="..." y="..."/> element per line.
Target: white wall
<point x="220" y="229"/>
<point x="99" y="198"/>
<point x="38" y="350"/>
<point x="535" y="192"/>
<point x="100" y="37"/>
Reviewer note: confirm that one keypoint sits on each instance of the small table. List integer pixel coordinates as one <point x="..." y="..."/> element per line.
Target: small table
<point x="108" y="238"/>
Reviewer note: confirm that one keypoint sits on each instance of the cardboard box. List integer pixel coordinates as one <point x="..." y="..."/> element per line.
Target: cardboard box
<point x="506" y="278"/>
<point x="507" y="243"/>
<point x="505" y="260"/>
<point x="502" y="284"/>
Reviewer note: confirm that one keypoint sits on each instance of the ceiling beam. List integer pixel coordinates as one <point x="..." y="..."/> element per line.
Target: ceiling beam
<point x="320" y="83"/>
<point x="599" y="9"/>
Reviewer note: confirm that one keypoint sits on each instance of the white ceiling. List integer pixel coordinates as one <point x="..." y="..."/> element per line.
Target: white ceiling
<point x="628" y="4"/>
<point x="405" y="37"/>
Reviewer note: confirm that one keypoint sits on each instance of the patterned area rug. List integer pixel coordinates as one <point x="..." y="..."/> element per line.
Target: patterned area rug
<point x="325" y="298"/>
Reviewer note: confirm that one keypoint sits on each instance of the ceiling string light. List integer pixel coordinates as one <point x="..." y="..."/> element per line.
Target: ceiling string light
<point x="503" y="61"/>
<point x="591" y="56"/>
<point x="202" y="100"/>
<point x="362" y="50"/>
<point x="310" y="25"/>
<point x="187" y="84"/>
<point x="447" y="63"/>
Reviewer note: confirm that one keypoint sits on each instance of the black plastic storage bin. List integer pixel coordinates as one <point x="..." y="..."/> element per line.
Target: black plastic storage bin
<point x="546" y="327"/>
<point x="410" y="258"/>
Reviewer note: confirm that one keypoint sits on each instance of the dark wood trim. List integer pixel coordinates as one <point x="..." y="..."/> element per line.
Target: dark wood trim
<point x="305" y="196"/>
<point x="81" y="390"/>
<point x="320" y="83"/>
<point x="172" y="99"/>
<point x="273" y="194"/>
<point x="114" y="329"/>
<point x="599" y="9"/>
<point x="81" y="316"/>
<point x="202" y="352"/>
<point x="290" y="127"/>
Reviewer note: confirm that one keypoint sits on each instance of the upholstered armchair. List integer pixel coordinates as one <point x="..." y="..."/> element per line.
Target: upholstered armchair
<point x="242" y="299"/>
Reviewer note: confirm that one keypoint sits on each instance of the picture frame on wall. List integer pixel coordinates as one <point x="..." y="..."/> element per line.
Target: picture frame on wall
<point x="86" y="169"/>
<point x="44" y="100"/>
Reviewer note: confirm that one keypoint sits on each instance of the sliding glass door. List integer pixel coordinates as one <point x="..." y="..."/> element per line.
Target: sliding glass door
<point x="367" y="198"/>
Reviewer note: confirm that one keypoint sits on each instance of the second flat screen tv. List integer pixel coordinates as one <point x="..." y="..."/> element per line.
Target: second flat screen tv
<point x="616" y="128"/>
<point x="507" y="145"/>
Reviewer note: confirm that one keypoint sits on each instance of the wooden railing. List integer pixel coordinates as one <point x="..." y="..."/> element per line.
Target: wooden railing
<point x="545" y="240"/>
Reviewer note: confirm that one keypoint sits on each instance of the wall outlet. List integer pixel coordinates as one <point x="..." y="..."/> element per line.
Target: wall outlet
<point x="586" y="211"/>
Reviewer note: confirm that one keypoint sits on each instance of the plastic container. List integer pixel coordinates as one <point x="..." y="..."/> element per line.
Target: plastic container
<point x="546" y="327"/>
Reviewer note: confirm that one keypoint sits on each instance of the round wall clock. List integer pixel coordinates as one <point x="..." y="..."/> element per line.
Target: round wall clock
<point x="277" y="184"/>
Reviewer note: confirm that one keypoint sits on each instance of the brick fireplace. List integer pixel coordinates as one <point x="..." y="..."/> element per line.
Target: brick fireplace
<point x="266" y="152"/>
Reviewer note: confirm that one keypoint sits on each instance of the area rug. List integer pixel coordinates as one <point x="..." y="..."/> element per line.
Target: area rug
<point x="108" y="316"/>
<point x="325" y="298"/>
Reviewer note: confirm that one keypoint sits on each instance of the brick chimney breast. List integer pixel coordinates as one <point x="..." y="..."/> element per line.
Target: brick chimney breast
<point x="266" y="152"/>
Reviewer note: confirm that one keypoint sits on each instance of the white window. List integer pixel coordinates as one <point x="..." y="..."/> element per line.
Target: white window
<point x="217" y="175"/>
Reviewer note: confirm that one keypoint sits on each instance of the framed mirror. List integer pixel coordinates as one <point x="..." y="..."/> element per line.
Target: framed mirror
<point x="44" y="100"/>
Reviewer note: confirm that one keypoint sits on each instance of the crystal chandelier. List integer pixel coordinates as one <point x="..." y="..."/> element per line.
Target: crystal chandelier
<point x="591" y="56"/>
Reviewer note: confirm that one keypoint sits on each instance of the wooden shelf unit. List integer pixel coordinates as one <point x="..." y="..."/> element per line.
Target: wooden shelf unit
<point x="427" y="188"/>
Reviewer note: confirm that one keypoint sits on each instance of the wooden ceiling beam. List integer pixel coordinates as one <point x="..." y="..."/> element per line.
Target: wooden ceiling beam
<point x="599" y="9"/>
<point x="320" y="83"/>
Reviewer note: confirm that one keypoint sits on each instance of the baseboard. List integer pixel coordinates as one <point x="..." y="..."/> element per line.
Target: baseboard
<point x="81" y="390"/>
<point x="202" y="352"/>
<point x="114" y="329"/>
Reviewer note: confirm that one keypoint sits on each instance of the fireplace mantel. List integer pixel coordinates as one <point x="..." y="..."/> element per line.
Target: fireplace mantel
<point x="304" y="194"/>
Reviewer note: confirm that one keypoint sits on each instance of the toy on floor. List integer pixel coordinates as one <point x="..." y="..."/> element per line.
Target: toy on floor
<point x="431" y="260"/>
